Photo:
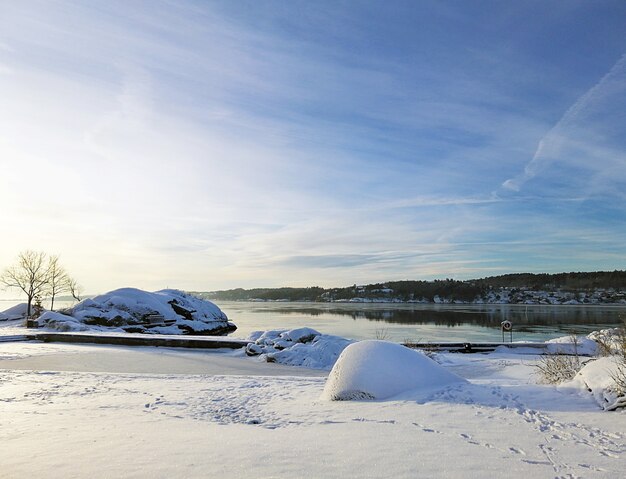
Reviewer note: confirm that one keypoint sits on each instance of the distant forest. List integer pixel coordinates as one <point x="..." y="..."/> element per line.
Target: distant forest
<point x="450" y="289"/>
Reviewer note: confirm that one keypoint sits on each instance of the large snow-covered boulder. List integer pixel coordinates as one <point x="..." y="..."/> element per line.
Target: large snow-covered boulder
<point x="380" y="370"/>
<point x="129" y="309"/>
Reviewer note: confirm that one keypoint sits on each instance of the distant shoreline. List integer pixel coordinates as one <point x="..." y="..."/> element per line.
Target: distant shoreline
<point x="418" y="303"/>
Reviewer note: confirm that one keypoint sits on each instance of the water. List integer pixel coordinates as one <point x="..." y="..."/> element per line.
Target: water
<point x="424" y="322"/>
<point x="416" y="322"/>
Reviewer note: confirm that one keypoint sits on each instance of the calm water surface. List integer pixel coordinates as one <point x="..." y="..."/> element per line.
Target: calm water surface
<point x="423" y="322"/>
<point x="417" y="322"/>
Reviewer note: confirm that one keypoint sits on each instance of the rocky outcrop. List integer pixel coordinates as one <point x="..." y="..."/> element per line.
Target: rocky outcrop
<point x="133" y="310"/>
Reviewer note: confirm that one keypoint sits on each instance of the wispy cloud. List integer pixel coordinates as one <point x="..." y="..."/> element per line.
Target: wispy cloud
<point x="584" y="136"/>
<point x="207" y="146"/>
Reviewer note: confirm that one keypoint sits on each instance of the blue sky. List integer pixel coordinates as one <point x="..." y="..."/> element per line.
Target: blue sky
<point x="205" y="145"/>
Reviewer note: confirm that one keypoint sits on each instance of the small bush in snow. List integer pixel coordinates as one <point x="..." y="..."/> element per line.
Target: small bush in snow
<point x="619" y="375"/>
<point x="604" y="340"/>
<point x="382" y="334"/>
<point x="555" y="368"/>
<point x="612" y="342"/>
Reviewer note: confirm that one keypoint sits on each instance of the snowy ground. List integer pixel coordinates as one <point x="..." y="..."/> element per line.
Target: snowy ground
<point x="99" y="411"/>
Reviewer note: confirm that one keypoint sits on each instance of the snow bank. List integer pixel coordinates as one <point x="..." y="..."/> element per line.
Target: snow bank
<point x="597" y="377"/>
<point x="297" y="347"/>
<point x="584" y="345"/>
<point x="128" y="309"/>
<point x="597" y="342"/>
<point x="380" y="369"/>
<point x="18" y="311"/>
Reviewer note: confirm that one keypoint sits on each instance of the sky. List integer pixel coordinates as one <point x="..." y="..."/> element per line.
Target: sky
<point x="208" y="145"/>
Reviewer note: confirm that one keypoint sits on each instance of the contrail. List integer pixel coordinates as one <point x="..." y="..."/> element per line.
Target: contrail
<point x="550" y="144"/>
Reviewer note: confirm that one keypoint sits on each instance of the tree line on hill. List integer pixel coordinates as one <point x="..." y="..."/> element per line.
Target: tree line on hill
<point x="450" y="289"/>
<point x="579" y="281"/>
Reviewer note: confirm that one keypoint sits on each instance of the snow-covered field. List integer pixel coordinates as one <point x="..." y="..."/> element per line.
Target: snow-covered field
<point x="96" y="411"/>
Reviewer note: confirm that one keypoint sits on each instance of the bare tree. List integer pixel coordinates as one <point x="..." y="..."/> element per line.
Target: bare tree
<point x="31" y="274"/>
<point x="39" y="275"/>
<point x="58" y="279"/>
<point x="74" y="288"/>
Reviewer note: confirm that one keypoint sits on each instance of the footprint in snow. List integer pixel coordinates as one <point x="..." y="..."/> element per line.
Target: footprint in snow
<point x="427" y="429"/>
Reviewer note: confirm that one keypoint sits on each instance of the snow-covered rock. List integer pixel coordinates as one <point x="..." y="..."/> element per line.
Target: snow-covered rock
<point x="598" y="377"/>
<point x="300" y="335"/>
<point x="61" y="322"/>
<point x="297" y="347"/>
<point x="19" y="311"/>
<point x="253" y="349"/>
<point x="128" y="309"/>
<point x="380" y="370"/>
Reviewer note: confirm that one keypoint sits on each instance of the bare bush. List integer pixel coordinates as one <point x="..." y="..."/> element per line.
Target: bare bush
<point x="382" y="334"/>
<point x="619" y="375"/>
<point x="555" y="368"/>
<point x="612" y="342"/>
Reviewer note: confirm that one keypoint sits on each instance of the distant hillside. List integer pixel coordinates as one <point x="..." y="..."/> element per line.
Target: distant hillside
<point x="567" y="281"/>
<point x="267" y="294"/>
<point x="571" y="288"/>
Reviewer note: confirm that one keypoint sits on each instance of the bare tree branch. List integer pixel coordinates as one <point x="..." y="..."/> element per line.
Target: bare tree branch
<point x="74" y="288"/>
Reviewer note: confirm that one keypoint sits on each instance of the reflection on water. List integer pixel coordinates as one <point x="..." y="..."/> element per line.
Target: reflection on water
<point x="432" y="322"/>
<point x="418" y="322"/>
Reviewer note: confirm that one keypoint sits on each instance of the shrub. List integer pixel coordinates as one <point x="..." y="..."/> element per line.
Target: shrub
<point x="619" y="375"/>
<point x="555" y="368"/>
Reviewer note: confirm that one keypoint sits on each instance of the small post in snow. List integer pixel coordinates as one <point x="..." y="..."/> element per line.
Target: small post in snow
<point x="507" y="325"/>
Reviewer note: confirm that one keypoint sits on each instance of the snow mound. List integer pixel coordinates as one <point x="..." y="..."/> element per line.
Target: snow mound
<point x="132" y="310"/>
<point x="597" y="377"/>
<point x="297" y="347"/>
<point x="583" y="345"/>
<point x="19" y="311"/>
<point x="380" y="369"/>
